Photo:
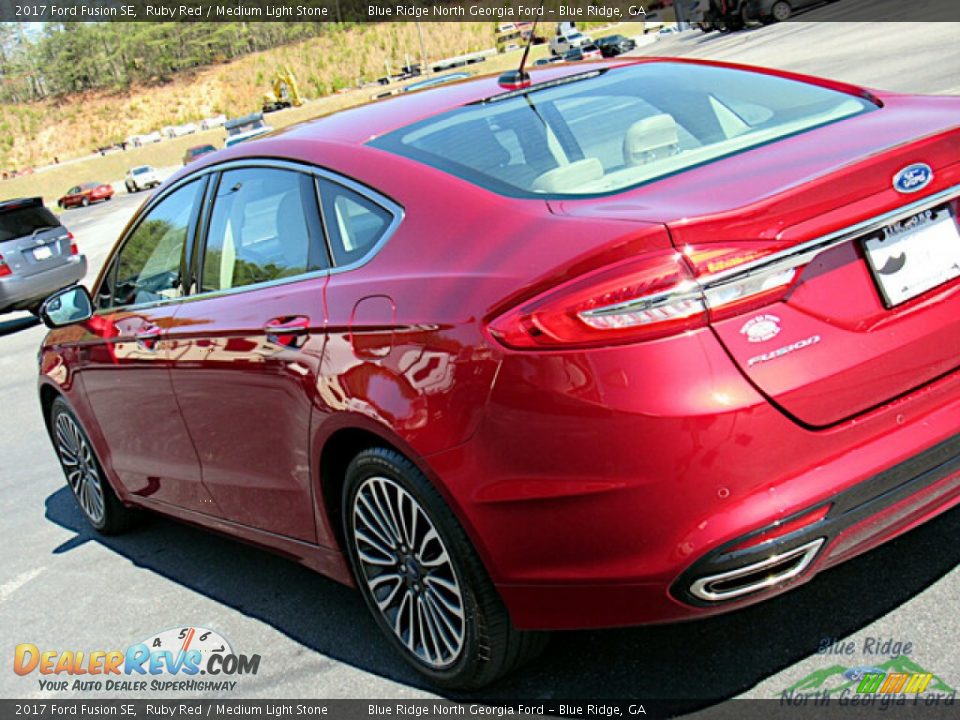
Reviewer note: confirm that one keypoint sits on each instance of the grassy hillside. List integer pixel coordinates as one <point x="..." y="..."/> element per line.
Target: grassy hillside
<point x="33" y="134"/>
<point x="73" y="127"/>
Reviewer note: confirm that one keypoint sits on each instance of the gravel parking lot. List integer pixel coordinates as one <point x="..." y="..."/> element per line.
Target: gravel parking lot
<point x="66" y="588"/>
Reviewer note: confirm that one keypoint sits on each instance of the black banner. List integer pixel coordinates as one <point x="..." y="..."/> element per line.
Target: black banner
<point x="692" y="11"/>
<point x="810" y="708"/>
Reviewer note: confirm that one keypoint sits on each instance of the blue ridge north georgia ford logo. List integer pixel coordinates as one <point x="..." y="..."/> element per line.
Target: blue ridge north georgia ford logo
<point x="913" y="178"/>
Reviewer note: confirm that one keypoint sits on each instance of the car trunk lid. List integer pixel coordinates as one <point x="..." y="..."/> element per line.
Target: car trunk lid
<point x="845" y="337"/>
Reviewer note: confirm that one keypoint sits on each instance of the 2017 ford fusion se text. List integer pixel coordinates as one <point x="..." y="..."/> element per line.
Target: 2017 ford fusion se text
<point x="640" y="342"/>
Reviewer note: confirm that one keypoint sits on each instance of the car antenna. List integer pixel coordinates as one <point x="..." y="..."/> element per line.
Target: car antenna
<point x="520" y="78"/>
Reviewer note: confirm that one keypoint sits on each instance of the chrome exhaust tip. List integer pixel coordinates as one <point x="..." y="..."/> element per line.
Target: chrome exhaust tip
<point x="756" y="576"/>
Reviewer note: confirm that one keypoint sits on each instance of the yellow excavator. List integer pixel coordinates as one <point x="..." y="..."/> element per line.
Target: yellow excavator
<point x="285" y="92"/>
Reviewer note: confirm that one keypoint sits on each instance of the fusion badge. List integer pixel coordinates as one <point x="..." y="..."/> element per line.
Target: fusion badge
<point x="785" y="350"/>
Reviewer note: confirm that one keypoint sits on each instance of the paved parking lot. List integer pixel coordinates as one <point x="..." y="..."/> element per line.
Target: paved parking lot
<point x="65" y="588"/>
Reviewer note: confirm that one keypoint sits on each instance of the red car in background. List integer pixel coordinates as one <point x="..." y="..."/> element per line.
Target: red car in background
<point x="89" y="192"/>
<point x="641" y="343"/>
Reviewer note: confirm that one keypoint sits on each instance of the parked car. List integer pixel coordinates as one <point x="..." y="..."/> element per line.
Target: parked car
<point x="150" y="138"/>
<point x="616" y="348"/>
<point x="567" y="38"/>
<point x="245" y="128"/>
<point x="37" y="255"/>
<point x="141" y="177"/>
<point x="614" y="45"/>
<point x="212" y="122"/>
<point x="768" y="11"/>
<point x="197" y="151"/>
<point x="548" y="60"/>
<point x="587" y="52"/>
<point x="84" y="194"/>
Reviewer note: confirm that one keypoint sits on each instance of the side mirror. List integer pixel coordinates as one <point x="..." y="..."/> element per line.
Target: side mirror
<point x="66" y="307"/>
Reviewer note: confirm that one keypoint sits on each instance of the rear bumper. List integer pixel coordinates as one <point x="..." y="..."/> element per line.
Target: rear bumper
<point x="20" y="292"/>
<point x="602" y="484"/>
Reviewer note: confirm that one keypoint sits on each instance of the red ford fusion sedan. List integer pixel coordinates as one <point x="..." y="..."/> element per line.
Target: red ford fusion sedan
<point x="85" y="194"/>
<point x="634" y="344"/>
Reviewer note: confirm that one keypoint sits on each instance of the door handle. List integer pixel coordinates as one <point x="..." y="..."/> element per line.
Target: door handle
<point x="289" y="330"/>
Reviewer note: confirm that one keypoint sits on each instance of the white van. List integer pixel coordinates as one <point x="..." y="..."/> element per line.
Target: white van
<point x="566" y="38"/>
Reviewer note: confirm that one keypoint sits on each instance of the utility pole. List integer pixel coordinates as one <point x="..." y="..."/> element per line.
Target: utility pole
<point x="423" y="53"/>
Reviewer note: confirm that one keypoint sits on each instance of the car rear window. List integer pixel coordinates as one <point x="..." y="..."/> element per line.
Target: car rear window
<point x="612" y="130"/>
<point x="23" y="222"/>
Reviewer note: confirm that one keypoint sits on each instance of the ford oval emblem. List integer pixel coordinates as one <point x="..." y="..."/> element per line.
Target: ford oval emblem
<point x="913" y="178"/>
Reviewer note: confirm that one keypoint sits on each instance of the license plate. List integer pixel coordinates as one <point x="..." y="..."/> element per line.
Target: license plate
<point x="42" y="253"/>
<point x="914" y="255"/>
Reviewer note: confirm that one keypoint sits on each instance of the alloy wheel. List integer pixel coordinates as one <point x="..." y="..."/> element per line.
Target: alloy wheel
<point x="781" y="11"/>
<point x="80" y="465"/>
<point x="408" y="572"/>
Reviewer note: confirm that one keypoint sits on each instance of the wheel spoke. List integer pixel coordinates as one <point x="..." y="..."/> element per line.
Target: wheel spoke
<point x="444" y="604"/>
<point x="373" y="518"/>
<point x="392" y="527"/>
<point x="448" y="634"/>
<point x="374" y="541"/>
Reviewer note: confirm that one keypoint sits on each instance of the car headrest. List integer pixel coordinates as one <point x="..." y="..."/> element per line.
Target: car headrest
<point x="568" y="178"/>
<point x="650" y="139"/>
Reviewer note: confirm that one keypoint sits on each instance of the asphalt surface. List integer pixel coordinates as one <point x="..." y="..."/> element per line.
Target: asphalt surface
<point x="63" y="587"/>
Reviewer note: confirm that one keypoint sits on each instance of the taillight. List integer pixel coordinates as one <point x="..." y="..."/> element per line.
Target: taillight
<point x="648" y="297"/>
<point x="74" y="250"/>
<point x="4" y="268"/>
<point x="639" y="299"/>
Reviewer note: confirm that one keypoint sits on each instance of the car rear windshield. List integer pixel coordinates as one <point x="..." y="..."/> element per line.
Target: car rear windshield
<point x="24" y="221"/>
<point x="612" y="130"/>
<point x="141" y="170"/>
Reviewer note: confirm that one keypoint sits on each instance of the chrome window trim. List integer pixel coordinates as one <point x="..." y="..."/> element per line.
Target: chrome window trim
<point x="779" y="262"/>
<point x="396" y="211"/>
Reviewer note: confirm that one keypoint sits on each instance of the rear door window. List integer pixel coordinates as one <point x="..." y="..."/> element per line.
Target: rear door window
<point x="25" y="221"/>
<point x="265" y="226"/>
<point x="354" y="223"/>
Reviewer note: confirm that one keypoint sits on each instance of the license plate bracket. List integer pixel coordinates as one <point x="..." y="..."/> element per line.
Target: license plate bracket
<point x="914" y="255"/>
<point x="42" y="253"/>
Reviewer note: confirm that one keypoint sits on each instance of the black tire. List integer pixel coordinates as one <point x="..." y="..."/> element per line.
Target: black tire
<point x="129" y="190"/>
<point x="115" y="516"/>
<point x="489" y="646"/>
<point x="85" y="202"/>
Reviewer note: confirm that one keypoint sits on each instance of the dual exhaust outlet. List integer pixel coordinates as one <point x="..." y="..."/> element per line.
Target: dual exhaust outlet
<point x="756" y="576"/>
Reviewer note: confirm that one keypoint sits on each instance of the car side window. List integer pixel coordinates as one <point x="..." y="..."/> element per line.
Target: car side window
<point x="353" y="222"/>
<point x="148" y="267"/>
<point x="265" y="226"/>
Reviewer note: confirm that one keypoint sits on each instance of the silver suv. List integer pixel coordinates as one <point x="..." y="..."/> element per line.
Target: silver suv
<point x="37" y="255"/>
